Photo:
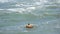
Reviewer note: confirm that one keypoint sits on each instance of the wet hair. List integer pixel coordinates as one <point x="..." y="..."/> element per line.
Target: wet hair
<point x="28" y="24"/>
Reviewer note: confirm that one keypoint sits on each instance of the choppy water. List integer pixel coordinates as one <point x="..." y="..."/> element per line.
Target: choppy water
<point x="44" y="14"/>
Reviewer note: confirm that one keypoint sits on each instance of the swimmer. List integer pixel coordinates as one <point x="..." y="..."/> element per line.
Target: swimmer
<point x="29" y="26"/>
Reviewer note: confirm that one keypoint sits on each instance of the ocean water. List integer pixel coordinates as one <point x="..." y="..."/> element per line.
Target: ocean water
<point x="44" y="14"/>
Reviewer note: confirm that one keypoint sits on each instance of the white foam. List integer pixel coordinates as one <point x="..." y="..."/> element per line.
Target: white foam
<point x="29" y="8"/>
<point x="1" y="9"/>
<point x="18" y="4"/>
<point x="22" y="10"/>
<point x="11" y="9"/>
<point x="50" y="21"/>
<point x="58" y="1"/>
<point x="37" y="3"/>
<point x="3" y="1"/>
<point x="43" y="1"/>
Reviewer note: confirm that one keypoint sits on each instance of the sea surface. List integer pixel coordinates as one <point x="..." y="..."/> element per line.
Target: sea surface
<point x="43" y="14"/>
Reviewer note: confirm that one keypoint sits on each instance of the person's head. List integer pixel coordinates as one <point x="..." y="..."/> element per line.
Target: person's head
<point x="28" y="24"/>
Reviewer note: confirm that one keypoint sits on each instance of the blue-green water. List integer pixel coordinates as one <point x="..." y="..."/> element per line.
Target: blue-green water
<point x="15" y="14"/>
